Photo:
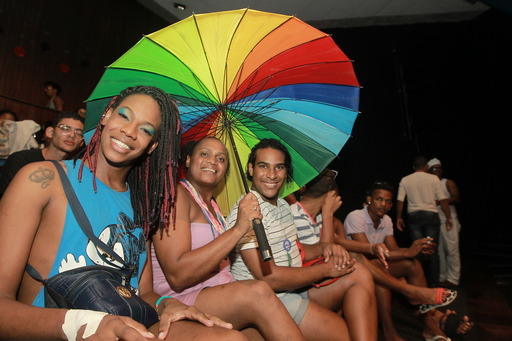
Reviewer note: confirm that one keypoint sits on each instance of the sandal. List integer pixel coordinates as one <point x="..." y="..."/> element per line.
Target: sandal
<point x="438" y="338"/>
<point x="439" y="300"/>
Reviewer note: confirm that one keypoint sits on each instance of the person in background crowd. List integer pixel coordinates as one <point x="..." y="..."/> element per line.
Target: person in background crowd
<point x="52" y="91"/>
<point x="449" y="253"/>
<point x="422" y="190"/>
<point x="65" y="135"/>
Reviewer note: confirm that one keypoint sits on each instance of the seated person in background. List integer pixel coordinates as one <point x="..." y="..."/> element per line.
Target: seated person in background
<point x="373" y="227"/>
<point x="342" y="310"/>
<point x="129" y="160"/>
<point x="81" y="110"/>
<point x="65" y="137"/>
<point x="52" y="91"/>
<point x="7" y="114"/>
<point x="190" y="260"/>
<point x="15" y="135"/>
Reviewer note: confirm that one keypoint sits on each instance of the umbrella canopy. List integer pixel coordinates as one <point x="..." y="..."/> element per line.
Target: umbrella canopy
<point x="241" y="76"/>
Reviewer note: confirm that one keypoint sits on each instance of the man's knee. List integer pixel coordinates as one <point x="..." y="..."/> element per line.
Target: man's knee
<point x="362" y="274"/>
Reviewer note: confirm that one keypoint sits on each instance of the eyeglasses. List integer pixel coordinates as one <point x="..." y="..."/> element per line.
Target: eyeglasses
<point x="331" y="173"/>
<point x="66" y="130"/>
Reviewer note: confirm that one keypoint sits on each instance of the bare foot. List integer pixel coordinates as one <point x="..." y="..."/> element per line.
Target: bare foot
<point x="464" y="325"/>
<point x="432" y="327"/>
<point x="420" y="295"/>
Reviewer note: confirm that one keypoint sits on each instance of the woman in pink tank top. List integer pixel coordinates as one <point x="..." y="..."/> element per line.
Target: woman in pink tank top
<point x="191" y="259"/>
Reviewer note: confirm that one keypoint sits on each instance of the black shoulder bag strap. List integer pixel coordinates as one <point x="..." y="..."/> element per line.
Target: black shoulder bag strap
<point x="84" y="223"/>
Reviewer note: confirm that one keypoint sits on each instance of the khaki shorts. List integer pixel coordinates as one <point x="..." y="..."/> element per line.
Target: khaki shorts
<point x="296" y="303"/>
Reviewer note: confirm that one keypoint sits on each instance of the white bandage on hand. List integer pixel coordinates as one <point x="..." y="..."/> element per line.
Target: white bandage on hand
<point x="75" y="319"/>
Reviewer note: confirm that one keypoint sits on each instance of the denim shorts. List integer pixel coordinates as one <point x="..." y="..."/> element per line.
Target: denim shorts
<point x="296" y="303"/>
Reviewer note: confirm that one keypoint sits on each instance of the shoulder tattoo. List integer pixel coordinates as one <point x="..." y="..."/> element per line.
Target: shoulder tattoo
<point x="44" y="176"/>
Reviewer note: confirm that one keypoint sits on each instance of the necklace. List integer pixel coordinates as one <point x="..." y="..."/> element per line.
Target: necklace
<point x="218" y="223"/>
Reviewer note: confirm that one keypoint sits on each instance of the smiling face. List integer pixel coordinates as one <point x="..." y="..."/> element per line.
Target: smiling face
<point x="130" y="129"/>
<point x="208" y="162"/>
<point x="268" y="173"/>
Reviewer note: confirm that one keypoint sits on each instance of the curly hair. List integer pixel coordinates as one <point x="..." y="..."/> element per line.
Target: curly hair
<point x="152" y="180"/>
<point x="274" y="144"/>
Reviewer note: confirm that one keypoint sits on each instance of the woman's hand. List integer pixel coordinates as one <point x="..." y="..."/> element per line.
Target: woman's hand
<point x="173" y="310"/>
<point x="114" y="327"/>
<point x="248" y="210"/>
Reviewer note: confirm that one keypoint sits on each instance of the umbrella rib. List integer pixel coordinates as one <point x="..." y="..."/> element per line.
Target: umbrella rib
<point x="206" y="56"/>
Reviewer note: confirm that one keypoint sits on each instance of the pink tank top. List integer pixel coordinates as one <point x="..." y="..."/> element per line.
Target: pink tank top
<point x="201" y="235"/>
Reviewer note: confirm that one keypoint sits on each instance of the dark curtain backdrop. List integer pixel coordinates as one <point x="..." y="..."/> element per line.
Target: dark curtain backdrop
<point x="441" y="90"/>
<point x="68" y="42"/>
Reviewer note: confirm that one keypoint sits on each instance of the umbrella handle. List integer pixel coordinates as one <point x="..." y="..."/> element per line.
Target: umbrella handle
<point x="261" y="237"/>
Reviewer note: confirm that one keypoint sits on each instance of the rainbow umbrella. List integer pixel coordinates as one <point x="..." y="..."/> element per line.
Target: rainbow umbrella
<point x="241" y="76"/>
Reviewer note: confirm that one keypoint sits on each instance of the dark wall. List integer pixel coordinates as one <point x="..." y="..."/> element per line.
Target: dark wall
<point x="440" y="90"/>
<point x="69" y="42"/>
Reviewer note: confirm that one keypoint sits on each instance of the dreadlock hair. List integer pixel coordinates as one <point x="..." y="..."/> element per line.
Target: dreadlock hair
<point x="152" y="180"/>
<point x="274" y="144"/>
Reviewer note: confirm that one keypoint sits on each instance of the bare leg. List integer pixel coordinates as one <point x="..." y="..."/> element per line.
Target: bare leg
<point x="414" y="294"/>
<point x="252" y="334"/>
<point x="321" y="324"/>
<point x="384" y="300"/>
<point x="191" y="330"/>
<point x="250" y="303"/>
<point x="354" y="294"/>
<point x="410" y="269"/>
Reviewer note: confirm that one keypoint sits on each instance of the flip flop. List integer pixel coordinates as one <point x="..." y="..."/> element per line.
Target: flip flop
<point x="438" y="338"/>
<point x="439" y="300"/>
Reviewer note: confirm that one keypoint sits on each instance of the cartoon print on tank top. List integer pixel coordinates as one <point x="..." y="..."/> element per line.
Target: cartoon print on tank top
<point x="121" y="238"/>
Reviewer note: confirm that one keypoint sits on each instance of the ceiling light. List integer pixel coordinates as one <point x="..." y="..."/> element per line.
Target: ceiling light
<point x="179" y="6"/>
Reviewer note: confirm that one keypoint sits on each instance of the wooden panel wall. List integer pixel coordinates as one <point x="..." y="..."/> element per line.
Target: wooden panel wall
<point x="86" y="36"/>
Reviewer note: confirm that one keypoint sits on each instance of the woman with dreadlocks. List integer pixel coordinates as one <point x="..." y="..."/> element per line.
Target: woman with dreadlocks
<point x="190" y="261"/>
<point x="125" y="183"/>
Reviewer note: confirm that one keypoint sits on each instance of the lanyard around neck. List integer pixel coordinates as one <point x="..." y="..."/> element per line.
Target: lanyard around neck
<point x="218" y="223"/>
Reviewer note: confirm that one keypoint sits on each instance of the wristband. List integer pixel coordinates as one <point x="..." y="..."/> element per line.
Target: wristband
<point x="160" y="301"/>
<point x="75" y="319"/>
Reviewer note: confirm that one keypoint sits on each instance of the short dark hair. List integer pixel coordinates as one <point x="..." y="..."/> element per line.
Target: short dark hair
<point x="10" y="112"/>
<point x="321" y="184"/>
<point x="419" y="162"/>
<point x="379" y="184"/>
<point x="274" y="144"/>
<point x="190" y="146"/>
<point x="53" y="85"/>
<point x="66" y="114"/>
